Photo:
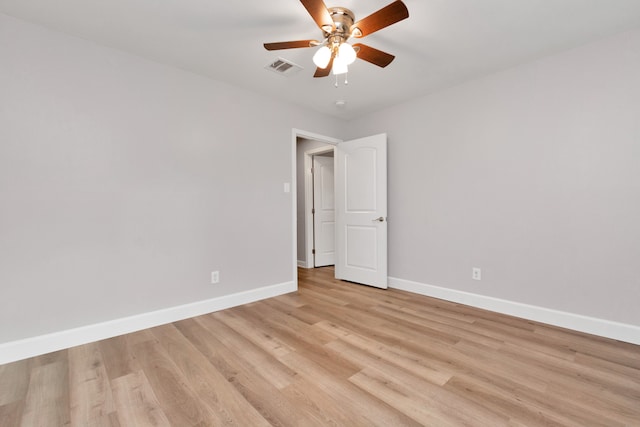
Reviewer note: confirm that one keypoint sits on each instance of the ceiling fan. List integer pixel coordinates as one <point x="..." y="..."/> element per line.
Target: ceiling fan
<point x="338" y="24"/>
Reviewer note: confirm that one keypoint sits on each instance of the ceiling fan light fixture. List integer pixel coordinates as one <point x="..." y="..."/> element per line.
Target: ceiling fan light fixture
<point x="339" y="66"/>
<point x="346" y="53"/>
<point x="322" y="57"/>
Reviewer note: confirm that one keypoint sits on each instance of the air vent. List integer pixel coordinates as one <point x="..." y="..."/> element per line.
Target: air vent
<point x="283" y="66"/>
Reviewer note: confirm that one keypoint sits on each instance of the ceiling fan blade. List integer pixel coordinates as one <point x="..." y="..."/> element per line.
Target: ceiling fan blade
<point x="324" y="72"/>
<point x="319" y="12"/>
<point x="388" y="15"/>
<point x="290" y="45"/>
<point x="372" y="55"/>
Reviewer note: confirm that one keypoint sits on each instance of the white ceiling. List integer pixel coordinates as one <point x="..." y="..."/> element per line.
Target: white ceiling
<point x="443" y="43"/>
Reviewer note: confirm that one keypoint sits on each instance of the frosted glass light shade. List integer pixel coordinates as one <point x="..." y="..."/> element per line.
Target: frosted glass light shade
<point x="346" y="52"/>
<point x="339" y="66"/>
<point x="322" y="57"/>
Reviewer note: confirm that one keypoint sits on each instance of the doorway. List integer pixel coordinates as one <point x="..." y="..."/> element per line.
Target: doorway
<point x="307" y="146"/>
<point x="360" y="206"/>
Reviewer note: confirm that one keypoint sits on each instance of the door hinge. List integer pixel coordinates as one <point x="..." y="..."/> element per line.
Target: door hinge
<point x="313" y="211"/>
<point x="313" y="251"/>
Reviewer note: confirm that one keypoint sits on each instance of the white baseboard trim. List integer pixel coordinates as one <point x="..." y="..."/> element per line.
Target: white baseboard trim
<point x="35" y="346"/>
<point x="305" y="264"/>
<point x="591" y="325"/>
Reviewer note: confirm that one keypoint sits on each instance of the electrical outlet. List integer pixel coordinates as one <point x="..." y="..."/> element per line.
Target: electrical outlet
<point x="476" y="273"/>
<point x="215" y="277"/>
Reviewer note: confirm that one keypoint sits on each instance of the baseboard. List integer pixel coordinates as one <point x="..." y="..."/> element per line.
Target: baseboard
<point x="591" y="325"/>
<point x="35" y="346"/>
<point x="305" y="264"/>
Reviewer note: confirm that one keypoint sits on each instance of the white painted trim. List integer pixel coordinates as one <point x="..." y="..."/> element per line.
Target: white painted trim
<point x="591" y="325"/>
<point x="34" y="346"/>
<point x="304" y="264"/>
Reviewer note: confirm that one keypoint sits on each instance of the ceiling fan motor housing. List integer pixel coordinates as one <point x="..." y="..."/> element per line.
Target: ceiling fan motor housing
<point x="343" y="20"/>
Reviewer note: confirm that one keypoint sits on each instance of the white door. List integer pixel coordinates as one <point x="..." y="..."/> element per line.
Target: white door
<point x="324" y="221"/>
<point x="361" y="210"/>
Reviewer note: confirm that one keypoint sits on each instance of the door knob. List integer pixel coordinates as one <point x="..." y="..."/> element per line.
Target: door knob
<point x="380" y="219"/>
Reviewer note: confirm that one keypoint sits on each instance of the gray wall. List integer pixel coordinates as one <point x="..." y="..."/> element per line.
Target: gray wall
<point x="124" y="183"/>
<point x="532" y="174"/>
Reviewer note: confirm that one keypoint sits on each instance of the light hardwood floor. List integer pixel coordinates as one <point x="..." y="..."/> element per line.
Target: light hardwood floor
<point x="333" y="353"/>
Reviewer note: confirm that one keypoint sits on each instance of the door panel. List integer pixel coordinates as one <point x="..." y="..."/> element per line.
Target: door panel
<point x="363" y="253"/>
<point x="361" y="210"/>
<point x="360" y="171"/>
<point x="324" y="216"/>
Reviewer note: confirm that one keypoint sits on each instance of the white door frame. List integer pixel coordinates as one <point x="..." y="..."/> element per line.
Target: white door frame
<point x="295" y="134"/>
<point x="308" y="200"/>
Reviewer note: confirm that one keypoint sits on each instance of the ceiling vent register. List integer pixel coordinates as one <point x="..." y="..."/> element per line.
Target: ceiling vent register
<point x="283" y="66"/>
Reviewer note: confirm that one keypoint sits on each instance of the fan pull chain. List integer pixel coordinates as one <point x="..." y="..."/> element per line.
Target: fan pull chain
<point x="346" y="82"/>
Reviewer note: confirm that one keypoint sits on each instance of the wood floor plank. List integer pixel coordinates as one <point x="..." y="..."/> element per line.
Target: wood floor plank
<point x="424" y="400"/>
<point x="365" y="405"/>
<point x="425" y="381"/>
<point x="604" y="406"/>
<point x="333" y="353"/>
<point x="117" y="356"/>
<point x="271" y="368"/>
<point x="14" y="378"/>
<point x="136" y="402"/>
<point x="320" y="408"/>
<point x="227" y="405"/>
<point x="607" y="349"/>
<point x="572" y="374"/>
<point x="245" y="376"/>
<point x="297" y="313"/>
<point x="175" y="393"/>
<point x="461" y="330"/>
<point x="322" y="295"/>
<point x="371" y="354"/>
<point x="362" y="321"/>
<point x="434" y="309"/>
<point x="400" y="399"/>
<point x="303" y="339"/>
<point x="487" y="363"/>
<point x="290" y="326"/>
<point x="47" y="399"/>
<point x="524" y="406"/>
<point x="525" y="339"/>
<point x="598" y="364"/>
<point x="258" y="336"/>
<point x="292" y="300"/>
<point x="90" y="389"/>
<point x="11" y="413"/>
